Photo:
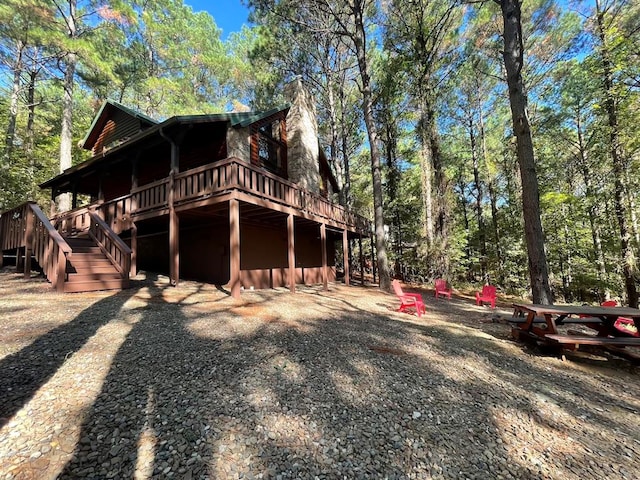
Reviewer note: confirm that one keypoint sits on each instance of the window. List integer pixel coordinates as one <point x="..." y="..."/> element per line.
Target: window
<point x="268" y="146"/>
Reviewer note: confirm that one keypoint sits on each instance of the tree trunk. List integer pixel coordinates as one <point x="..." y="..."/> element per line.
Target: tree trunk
<point x="479" y="194"/>
<point x="592" y="208"/>
<point x="513" y="59"/>
<point x="66" y="131"/>
<point x="491" y="190"/>
<point x="31" y="105"/>
<point x="631" y="202"/>
<point x="426" y="175"/>
<point x="467" y="232"/>
<point x="333" y="147"/>
<point x="345" y="149"/>
<point x="493" y="198"/>
<point x="29" y="144"/>
<point x="359" y="40"/>
<point x="390" y="135"/>
<point x="13" y="102"/>
<point x="567" y="275"/>
<point x="440" y="186"/>
<point x="619" y="165"/>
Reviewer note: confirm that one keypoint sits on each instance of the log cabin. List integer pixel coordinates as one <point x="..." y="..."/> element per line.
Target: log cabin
<point x="245" y="200"/>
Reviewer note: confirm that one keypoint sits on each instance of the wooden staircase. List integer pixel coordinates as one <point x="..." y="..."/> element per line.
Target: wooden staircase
<point x="89" y="269"/>
<point x="82" y="254"/>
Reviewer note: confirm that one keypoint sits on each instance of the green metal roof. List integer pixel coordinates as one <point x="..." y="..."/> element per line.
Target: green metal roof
<point x="235" y="119"/>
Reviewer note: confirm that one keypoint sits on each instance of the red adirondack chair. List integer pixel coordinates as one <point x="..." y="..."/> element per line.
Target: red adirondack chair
<point x="488" y="295"/>
<point x="408" y="300"/>
<point x="622" y="324"/>
<point x="441" y="288"/>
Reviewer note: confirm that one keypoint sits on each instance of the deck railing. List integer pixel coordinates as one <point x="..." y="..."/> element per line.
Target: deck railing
<point x="26" y="226"/>
<point x="73" y="221"/>
<point x="235" y="173"/>
<point x="219" y="177"/>
<point x="12" y="227"/>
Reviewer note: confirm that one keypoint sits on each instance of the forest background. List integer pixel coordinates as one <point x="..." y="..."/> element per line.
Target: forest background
<point x="417" y="104"/>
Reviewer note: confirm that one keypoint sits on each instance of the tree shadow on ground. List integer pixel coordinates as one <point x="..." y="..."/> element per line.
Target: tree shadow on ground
<point x="336" y="391"/>
<point x="24" y="372"/>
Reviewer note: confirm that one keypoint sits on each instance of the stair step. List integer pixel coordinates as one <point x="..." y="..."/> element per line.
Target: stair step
<point x="94" y="285"/>
<point x="84" y="276"/>
<point x="87" y="249"/>
<point x="90" y="269"/>
<point x="80" y="242"/>
<point x="89" y="260"/>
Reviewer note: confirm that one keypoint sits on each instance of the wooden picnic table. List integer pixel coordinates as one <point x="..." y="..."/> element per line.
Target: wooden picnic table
<point x="541" y="323"/>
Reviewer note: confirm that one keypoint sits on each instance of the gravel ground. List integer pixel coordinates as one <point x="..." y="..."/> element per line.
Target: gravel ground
<point x="188" y="383"/>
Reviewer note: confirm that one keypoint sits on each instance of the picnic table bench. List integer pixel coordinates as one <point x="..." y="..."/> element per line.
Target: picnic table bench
<point x="541" y="322"/>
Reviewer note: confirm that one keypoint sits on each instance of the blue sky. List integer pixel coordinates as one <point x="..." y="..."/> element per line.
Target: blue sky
<point x="228" y="14"/>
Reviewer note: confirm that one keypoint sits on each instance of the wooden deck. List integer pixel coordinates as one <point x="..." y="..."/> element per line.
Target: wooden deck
<point x="219" y="182"/>
<point x="27" y="230"/>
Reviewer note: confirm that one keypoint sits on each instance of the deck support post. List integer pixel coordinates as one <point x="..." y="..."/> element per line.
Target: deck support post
<point x="28" y="242"/>
<point x="61" y="267"/>
<point x="291" y="250"/>
<point x="134" y="208"/>
<point x="133" y="271"/>
<point x="234" y="247"/>
<point x="174" y="221"/>
<point x="345" y="255"/>
<point x="373" y="257"/>
<point x="174" y="240"/>
<point x="361" y="259"/>
<point x="323" y="241"/>
<point x="19" y="259"/>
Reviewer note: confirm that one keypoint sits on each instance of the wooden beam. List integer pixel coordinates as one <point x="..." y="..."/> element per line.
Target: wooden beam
<point x="323" y="241"/>
<point x="291" y="252"/>
<point x="234" y="247"/>
<point x="272" y="205"/>
<point x="345" y="255"/>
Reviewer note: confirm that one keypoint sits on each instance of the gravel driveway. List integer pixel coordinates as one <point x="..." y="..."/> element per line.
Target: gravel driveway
<point x="188" y="383"/>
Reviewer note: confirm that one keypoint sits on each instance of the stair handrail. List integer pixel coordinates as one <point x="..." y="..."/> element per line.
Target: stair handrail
<point x="111" y="244"/>
<point x="46" y="244"/>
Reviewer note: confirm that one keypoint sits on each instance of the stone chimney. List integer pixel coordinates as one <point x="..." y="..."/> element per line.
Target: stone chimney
<point x="302" y="137"/>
